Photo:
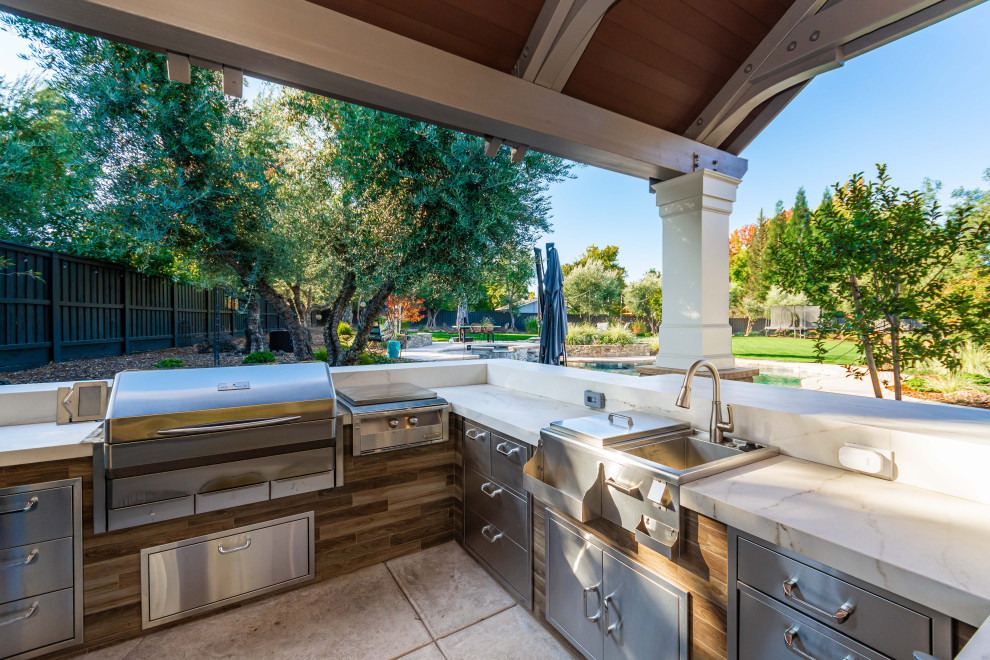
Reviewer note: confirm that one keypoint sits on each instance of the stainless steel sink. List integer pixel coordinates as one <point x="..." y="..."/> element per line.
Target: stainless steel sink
<point x="692" y="455"/>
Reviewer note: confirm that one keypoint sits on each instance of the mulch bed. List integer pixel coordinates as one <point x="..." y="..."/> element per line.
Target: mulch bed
<point x="972" y="398"/>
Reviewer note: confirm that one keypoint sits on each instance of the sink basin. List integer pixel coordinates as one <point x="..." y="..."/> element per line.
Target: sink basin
<point x="692" y="456"/>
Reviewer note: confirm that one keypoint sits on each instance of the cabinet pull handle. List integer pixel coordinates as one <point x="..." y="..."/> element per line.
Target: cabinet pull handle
<point x="611" y="628"/>
<point x="227" y="551"/>
<point x="493" y="493"/>
<point x="21" y="562"/>
<point x="840" y="615"/>
<point x="474" y="434"/>
<point x="597" y="615"/>
<point x="487" y="530"/>
<point x="790" y="635"/>
<point x="33" y="502"/>
<point x="632" y="491"/>
<point x="23" y="615"/>
<point x="503" y="448"/>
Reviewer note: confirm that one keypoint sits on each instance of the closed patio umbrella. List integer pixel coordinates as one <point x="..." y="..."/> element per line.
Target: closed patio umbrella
<point x="554" y="328"/>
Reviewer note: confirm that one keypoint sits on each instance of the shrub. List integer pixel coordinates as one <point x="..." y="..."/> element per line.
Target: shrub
<point x="368" y="358"/>
<point x="617" y="335"/>
<point x="581" y="334"/>
<point x="259" y="357"/>
<point x="532" y="325"/>
<point x="344" y="329"/>
<point x="639" y="328"/>
<point x="320" y="354"/>
<point x="169" y="363"/>
<point x="654" y="343"/>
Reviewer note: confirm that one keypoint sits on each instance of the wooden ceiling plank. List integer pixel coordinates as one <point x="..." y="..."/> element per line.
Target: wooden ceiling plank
<point x="455" y="21"/>
<point x="510" y="17"/>
<point x="605" y="89"/>
<point x="703" y="28"/>
<point x="682" y="95"/>
<point x="733" y="19"/>
<point x="768" y="12"/>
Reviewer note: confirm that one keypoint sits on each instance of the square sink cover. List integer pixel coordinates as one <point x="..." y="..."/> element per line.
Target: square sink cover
<point x="608" y="428"/>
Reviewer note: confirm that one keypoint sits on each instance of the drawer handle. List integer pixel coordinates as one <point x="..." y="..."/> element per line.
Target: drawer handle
<point x="612" y="416"/>
<point x="474" y="434"/>
<point x="21" y="562"/>
<point x="611" y="628"/>
<point x="597" y="615"/>
<point x="487" y="530"/>
<point x="33" y="502"/>
<point x="503" y="448"/>
<point x="23" y="615"/>
<point x="227" y="551"/>
<point x="229" y="426"/>
<point x="840" y="615"/>
<point x="493" y="493"/>
<point x="790" y="635"/>
<point x="628" y="490"/>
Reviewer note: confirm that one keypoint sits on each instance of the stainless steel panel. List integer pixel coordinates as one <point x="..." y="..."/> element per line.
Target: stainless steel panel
<point x="160" y="486"/>
<point x="224" y="499"/>
<point x="33" y="516"/>
<point x="142" y="514"/>
<point x="607" y="428"/>
<point x="181" y="579"/>
<point x="384" y="393"/>
<point x="575" y="471"/>
<point x="771" y="631"/>
<point x="30" y="570"/>
<point x="477" y="448"/>
<point x="508" y="458"/>
<point x="644" y="616"/>
<point x="638" y="501"/>
<point x="305" y="484"/>
<point x="33" y="623"/>
<point x="574" y="587"/>
<point x="506" y="557"/>
<point x="877" y="622"/>
<point x="395" y="430"/>
<point x="498" y="505"/>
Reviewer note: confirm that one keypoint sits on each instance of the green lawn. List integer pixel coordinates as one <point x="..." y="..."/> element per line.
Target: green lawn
<point x="789" y="349"/>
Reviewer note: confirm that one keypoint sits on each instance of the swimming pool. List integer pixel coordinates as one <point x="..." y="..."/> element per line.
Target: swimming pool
<point x="769" y="375"/>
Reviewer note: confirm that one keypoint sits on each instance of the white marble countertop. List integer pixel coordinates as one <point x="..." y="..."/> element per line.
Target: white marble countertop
<point x="510" y="412"/>
<point x="978" y="647"/>
<point x="47" y="441"/>
<point x="927" y="547"/>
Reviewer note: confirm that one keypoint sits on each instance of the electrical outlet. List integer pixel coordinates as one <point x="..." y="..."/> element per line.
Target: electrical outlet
<point x="594" y="399"/>
<point x="868" y="460"/>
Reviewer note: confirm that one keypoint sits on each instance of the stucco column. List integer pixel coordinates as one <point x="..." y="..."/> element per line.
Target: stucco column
<point x="695" y="209"/>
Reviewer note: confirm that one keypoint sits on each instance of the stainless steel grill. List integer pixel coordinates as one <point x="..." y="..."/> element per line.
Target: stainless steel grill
<point x="393" y="416"/>
<point x="187" y="441"/>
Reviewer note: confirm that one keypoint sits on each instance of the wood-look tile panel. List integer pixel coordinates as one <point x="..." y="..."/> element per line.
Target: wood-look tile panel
<point x="391" y="504"/>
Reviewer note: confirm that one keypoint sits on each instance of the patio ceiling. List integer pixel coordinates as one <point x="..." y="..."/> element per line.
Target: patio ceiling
<point x="651" y="88"/>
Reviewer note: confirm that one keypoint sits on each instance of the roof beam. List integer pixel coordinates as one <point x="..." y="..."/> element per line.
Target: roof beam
<point x="558" y="39"/>
<point x="301" y="44"/>
<point x="812" y="37"/>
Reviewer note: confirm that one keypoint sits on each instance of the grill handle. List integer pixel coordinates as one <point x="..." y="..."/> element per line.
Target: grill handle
<point x="229" y="426"/>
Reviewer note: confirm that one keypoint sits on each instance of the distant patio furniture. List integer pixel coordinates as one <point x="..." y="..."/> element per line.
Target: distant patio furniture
<point x="488" y="330"/>
<point x="462" y="335"/>
<point x="449" y="330"/>
<point x="376" y="335"/>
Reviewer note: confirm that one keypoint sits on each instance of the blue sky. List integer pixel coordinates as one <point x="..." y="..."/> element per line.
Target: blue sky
<point x="919" y="104"/>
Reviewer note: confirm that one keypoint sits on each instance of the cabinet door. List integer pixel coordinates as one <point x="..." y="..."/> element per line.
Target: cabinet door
<point x="642" y="618"/>
<point x="574" y="588"/>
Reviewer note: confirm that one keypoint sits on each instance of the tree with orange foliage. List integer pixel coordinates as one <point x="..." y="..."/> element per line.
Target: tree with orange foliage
<point x="402" y="309"/>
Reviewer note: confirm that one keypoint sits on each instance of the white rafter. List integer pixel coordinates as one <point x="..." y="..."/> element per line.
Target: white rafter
<point x="303" y="45"/>
<point x="809" y="40"/>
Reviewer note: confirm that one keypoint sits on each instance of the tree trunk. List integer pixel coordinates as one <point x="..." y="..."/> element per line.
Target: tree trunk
<point x="371" y="312"/>
<point x="335" y="315"/>
<point x="871" y="363"/>
<point x="301" y="345"/>
<point x="254" y="335"/>
<point x="895" y="357"/>
<point x="431" y="318"/>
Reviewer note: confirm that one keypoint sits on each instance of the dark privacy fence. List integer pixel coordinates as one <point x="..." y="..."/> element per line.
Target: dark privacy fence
<point x="79" y="308"/>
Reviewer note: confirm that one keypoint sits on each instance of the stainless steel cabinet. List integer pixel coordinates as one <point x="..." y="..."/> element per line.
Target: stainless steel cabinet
<point x="40" y="568"/>
<point x="607" y="606"/>
<point x="782" y="604"/>
<point x="497" y="510"/>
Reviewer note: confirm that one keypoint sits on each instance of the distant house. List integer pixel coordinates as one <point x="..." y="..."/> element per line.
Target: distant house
<point x="525" y="307"/>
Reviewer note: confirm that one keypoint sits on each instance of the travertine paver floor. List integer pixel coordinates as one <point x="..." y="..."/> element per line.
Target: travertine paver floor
<point x="438" y="604"/>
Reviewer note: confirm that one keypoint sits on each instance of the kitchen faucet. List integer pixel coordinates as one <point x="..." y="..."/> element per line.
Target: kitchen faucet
<point x="718" y="426"/>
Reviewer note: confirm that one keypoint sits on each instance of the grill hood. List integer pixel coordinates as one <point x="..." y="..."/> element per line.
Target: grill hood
<point x="148" y="405"/>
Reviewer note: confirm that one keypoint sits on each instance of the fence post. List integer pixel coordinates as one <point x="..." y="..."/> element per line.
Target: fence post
<point x="175" y="315"/>
<point x="125" y="313"/>
<point x="55" y="292"/>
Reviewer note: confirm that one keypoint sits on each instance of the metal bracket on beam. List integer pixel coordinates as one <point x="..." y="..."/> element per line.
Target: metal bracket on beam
<point x="233" y="81"/>
<point x="492" y="145"/>
<point x="179" y="69"/>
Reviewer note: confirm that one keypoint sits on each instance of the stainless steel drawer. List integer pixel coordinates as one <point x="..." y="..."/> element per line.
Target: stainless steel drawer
<point x="477" y="448"/>
<point x="32" y="623"/>
<point x="493" y="502"/>
<point x="507" y="558"/>
<point x="228" y="497"/>
<point x="142" y="514"/>
<point x="306" y="484"/>
<point x="188" y="577"/>
<point x="35" y="516"/>
<point x="875" y="621"/>
<point x="508" y="459"/>
<point x="30" y="570"/>
<point x="771" y="631"/>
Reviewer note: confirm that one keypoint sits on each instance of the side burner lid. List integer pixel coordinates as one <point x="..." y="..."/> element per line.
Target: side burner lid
<point x="367" y="395"/>
<point x="609" y="428"/>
